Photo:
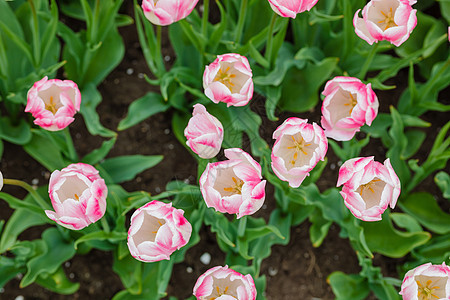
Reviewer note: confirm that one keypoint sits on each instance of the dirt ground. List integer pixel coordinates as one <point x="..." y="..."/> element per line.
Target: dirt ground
<point x="295" y="271"/>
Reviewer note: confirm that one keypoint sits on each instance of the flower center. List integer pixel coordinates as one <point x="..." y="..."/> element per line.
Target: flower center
<point x="298" y="146"/>
<point x="236" y="188"/>
<point x="160" y="224"/>
<point x="368" y="186"/>
<point x="352" y="102"/>
<point x="218" y="291"/>
<point x="77" y="197"/>
<point x="388" y="19"/>
<point x="225" y="78"/>
<point x="426" y="292"/>
<point x="51" y="106"/>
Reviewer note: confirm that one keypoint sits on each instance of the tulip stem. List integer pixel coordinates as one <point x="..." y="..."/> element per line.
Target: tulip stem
<point x="242" y="225"/>
<point x="39" y="200"/>
<point x="205" y="18"/>
<point x="240" y="24"/>
<point x="369" y="59"/>
<point x="105" y="224"/>
<point x="70" y="147"/>
<point x="269" y="45"/>
<point x="159" y="59"/>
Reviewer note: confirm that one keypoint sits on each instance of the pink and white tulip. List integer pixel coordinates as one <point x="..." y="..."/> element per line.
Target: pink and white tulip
<point x="1" y="181"/>
<point x="53" y="103"/>
<point x="348" y="105"/>
<point x="298" y="148"/>
<point x="78" y="196"/>
<point x="224" y="284"/>
<point x="157" y="229"/>
<point x="166" y="12"/>
<point x="390" y="20"/>
<point x="369" y="187"/>
<point x="234" y="186"/>
<point x="204" y="133"/>
<point x="427" y="282"/>
<point x="229" y="79"/>
<point x="290" y="9"/>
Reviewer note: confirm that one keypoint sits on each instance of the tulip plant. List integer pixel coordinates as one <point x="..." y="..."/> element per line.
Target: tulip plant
<point x="242" y="93"/>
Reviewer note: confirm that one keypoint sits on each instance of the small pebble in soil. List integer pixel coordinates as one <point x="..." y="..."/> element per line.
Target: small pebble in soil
<point x="157" y="189"/>
<point x="35" y="181"/>
<point x="340" y="163"/>
<point x="87" y="275"/>
<point x="332" y="166"/>
<point x="306" y="255"/>
<point x="20" y="297"/>
<point x="273" y="271"/>
<point x="264" y="206"/>
<point x="130" y="71"/>
<point x="71" y="276"/>
<point x="19" y="276"/>
<point x="141" y="75"/>
<point x="170" y="146"/>
<point x="116" y="81"/>
<point x="167" y="58"/>
<point x="336" y="257"/>
<point x="2" y="290"/>
<point x="205" y="258"/>
<point x="189" y="270"/>
<point x="187" y="181"/>
<point x="166" y="131"/>
<point x="67" y="264"/>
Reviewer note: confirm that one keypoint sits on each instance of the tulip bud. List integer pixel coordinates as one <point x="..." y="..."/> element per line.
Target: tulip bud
<point x="204" y="133"/>
<point x="289" y="8"/>
<point x="229" y="79"/>
<point x="78" y="196"/>
<point x="369" y="187"/>
<point x="53" y="103"/>
<point x="166" y="12"/>
<point x="157" y="229"/>
<point x="223" y="283"/>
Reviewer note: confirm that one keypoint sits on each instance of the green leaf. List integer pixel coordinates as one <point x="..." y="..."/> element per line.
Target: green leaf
<point x="319" y="228"/>
<point x="414" y="139"/>
<point x="98" y="154"/>
<point x="8" y="270"/>
<point x="383" y="238"/>
<point x="425" y="209"/>
<point x="130" y="272"/>
<point x="221" y="226"/>
<point x="348" y="286"/>
<point x="19" y="134"/>
<point x="442" y="180"/>
<point x="20" y="220"/>
<point x="124" y="168"/>
<point x="308" y="80"/>
<point x="143" y="108"/>
<point x="58" y="282"/>
<point x="58" y="250"/>
<point x="114" y="236"/>
<point x="91" y="98"/>
<point x="406" y="221"/>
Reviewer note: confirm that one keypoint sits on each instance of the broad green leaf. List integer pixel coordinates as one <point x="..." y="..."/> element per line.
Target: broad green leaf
<point x="143" y="108"/>
<point x="15" y="133"/>
<point x="8" y="270"/>
<point x="130" y="272"/>
<point x="91" y="98"/>
<point x="124" y="168"/>
<point x="98" y="154"/>
<point x="406" y="221"/>
<point x="383" y="238"/>
<point x="414" y="139"/>
<point x="58" y="251"/>
<point x="221" y="226"/>
<point x="58" y="282"/>
<point x="351" y="286"/>
<point x="45" y="151"/>
<point x="319" y="228"/>
<point x="425" y="209"/>
<point x="308" y="81"/>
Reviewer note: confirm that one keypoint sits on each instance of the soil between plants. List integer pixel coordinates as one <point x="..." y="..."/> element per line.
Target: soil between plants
<point x="295" y="271"/>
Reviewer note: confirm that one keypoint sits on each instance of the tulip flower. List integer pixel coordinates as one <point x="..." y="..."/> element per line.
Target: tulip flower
<point x="369" y="187"/>
<point x="78" y="196"/>
<point x="157" y="229"/>
<point x="234" y="186"/>
<point x="298" y="148"/>
<point x="229" y="79"/>
<point x="166" y="12"/>
<point x="204" y="133"/>
<point x="390" y="20"/>
<point x="53" y="103"/>
<point x="223" y="283"/>
<point x="348" y="105"/>
<point x="1" y="181"/>
<point x="287" y="8"/>
<point x="427" y="282"/>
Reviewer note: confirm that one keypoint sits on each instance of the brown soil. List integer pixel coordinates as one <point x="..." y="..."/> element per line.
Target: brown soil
<point x="295" y="271"/>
